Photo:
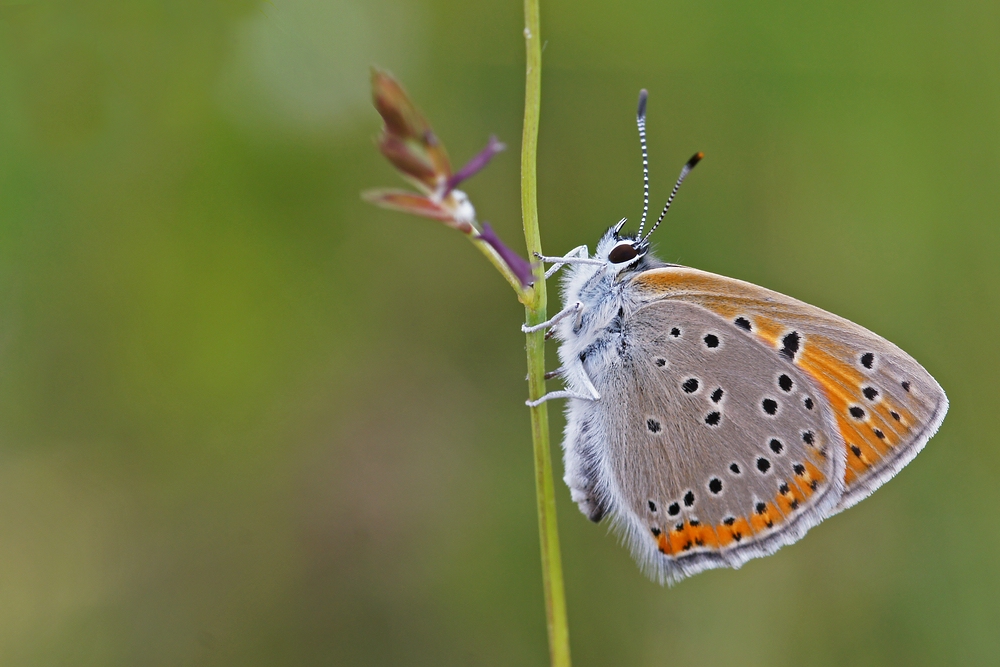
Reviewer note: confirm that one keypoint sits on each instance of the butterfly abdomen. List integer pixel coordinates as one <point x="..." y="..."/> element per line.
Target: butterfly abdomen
<point x="581" y="447"/>
<point x="589" y="347"/>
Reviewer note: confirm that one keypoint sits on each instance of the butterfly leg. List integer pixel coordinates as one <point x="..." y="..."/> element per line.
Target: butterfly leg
<point x="551" y="374"/>
<point x="560" y="394"/>
<point x="591" y="395"/>
<point x="575" y="309"/>
<point x="578" y="255"/>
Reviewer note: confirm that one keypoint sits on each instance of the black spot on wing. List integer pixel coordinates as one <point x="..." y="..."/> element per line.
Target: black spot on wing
<point x="790" y="345"/>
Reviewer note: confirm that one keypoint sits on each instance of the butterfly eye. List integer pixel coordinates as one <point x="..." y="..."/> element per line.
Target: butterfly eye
<point x="622" y="252"/>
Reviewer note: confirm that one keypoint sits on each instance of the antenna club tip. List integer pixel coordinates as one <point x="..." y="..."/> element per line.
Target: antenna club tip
<point x="695" y="159"/>
<point x="643" y="96"/>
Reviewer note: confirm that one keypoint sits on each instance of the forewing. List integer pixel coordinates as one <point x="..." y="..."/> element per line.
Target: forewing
<point x="717" y="449"/>
<point x="886" y="405"/>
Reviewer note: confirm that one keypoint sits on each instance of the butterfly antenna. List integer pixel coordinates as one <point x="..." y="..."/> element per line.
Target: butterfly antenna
<point x="640" y="119"/>
<point x="695" y="159"/>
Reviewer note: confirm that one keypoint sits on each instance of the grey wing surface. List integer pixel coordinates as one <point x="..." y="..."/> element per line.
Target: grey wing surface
<point x="887" y="405"/>
<point x="707" y="449"/>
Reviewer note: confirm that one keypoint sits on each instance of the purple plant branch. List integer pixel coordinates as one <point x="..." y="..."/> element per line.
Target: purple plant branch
<point x="518" y="265"/>
<point x="475" y="165"/>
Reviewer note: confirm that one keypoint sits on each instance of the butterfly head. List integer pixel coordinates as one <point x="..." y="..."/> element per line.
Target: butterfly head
<point x="622" y="252"/>
<point x="626" y="252"/>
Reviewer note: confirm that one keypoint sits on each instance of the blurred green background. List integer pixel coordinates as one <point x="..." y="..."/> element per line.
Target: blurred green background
<point x="247" y="419"/>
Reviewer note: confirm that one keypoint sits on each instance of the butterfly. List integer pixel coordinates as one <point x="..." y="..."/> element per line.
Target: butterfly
<point x="712" y="420"/>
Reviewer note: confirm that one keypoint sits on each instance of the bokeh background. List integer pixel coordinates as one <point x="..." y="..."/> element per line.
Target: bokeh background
<point x="247" y="419"/>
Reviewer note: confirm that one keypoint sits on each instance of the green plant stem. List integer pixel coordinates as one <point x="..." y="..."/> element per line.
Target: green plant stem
<point x="535" y="307"/>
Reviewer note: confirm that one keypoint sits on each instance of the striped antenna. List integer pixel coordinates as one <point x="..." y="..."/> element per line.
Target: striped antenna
<point x="695" y="159"/>
<point x="640" y="119"/>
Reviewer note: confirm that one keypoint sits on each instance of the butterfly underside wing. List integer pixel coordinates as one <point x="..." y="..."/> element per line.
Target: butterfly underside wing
<point x="743" y="418"/>
<point x="887" y="405"/>
<point x="712" y="462"/>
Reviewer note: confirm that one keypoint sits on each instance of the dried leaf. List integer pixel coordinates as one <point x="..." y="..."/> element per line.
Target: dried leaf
<point x="407" y="139"/>
<point x="409" y="202"/>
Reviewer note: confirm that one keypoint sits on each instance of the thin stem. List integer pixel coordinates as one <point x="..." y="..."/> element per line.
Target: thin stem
<point x="552" y="575"/>
<point x="524" y="295"/>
